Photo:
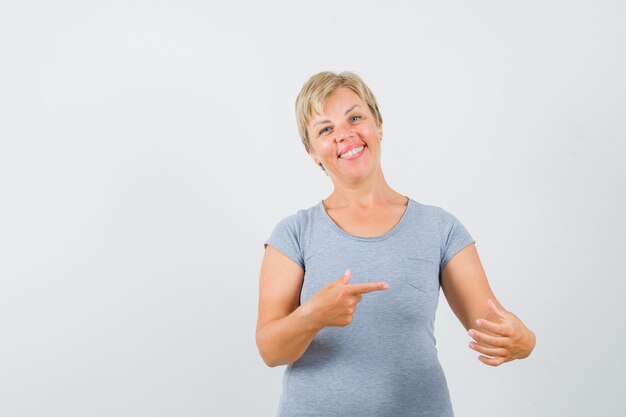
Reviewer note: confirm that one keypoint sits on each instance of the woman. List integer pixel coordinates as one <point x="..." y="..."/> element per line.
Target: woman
<point x="361" y="342"/>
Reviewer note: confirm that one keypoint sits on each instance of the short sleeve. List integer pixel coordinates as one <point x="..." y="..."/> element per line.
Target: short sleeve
<point x="286" y="238"/>
<point x="454" y="237"/>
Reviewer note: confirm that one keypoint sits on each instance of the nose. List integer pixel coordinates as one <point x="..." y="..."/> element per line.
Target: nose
<point x="342" y="132"/>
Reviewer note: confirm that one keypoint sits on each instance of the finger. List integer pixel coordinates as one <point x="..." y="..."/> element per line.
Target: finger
<point x="345" y="277"/>
<point x="495" y="310"/>
<point x="484" y="339"/>
<point x="496" y="328"/>
<point x="492" y="361"/>
<point x="490" y="351"/>
<point x="367" y="287"/>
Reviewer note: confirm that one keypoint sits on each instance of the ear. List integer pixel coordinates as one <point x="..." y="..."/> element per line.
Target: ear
<point x="380" y="131"/>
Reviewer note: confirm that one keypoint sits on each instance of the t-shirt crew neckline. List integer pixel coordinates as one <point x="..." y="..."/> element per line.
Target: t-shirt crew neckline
<point x="384" y="236"/>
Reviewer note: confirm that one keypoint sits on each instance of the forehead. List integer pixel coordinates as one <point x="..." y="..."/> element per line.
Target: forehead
<point x="340" y="100"/>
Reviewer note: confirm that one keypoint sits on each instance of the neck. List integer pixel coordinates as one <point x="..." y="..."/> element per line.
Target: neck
<point x="365" y="193"/>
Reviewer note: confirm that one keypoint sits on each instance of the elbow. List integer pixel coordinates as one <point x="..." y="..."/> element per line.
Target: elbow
<point x="268" y="359"/>
<point x="269" y="362"/>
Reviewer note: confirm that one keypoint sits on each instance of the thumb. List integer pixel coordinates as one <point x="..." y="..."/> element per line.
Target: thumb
<point x="345" y="277"/>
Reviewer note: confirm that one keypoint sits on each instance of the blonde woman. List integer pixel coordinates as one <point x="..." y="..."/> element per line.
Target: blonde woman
<point x="349" y="287"/>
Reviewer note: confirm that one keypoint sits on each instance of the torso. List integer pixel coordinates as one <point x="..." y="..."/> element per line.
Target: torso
<point x="369" y="223"/>
<point x="385" y="362"/>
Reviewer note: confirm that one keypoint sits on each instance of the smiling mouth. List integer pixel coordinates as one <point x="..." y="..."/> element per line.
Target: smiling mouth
<point x="352" y="152"/>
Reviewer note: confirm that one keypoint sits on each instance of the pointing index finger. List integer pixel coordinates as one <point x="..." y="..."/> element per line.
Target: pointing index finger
<point x="367" y="287"/>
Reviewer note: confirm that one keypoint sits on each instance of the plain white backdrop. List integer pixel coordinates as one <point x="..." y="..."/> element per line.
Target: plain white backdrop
<point x="147" y="149"/>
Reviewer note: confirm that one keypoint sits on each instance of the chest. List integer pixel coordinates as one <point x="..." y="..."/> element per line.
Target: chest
<point x="413" y="291"/>
<point x="367" y="223"/>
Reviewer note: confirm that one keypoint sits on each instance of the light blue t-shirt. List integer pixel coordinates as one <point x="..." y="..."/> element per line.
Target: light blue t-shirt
<point x="385" y="362"/>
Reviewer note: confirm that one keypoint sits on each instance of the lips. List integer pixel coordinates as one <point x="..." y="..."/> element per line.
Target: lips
<point x="349" y="148"/>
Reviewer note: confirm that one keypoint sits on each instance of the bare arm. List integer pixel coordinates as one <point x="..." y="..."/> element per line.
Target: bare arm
<point x="500" y="334"/>
<point x="285" y="329"/>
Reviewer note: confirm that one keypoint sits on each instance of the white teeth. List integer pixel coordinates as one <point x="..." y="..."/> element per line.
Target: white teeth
<point x="352" y="152"/>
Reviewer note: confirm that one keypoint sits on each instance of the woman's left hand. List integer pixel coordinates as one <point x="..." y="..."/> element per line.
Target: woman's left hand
<point x="502" y="340"/>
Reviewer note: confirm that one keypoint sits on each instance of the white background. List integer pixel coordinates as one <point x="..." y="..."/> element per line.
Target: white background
<point x="148" y="149"/>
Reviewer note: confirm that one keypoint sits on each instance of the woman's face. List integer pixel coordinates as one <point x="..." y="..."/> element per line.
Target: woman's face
<point x="345" y="123"/>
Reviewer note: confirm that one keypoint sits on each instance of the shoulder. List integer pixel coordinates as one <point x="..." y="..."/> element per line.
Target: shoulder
<point x="432" y="210"/>
<point x="436" y="217"/>
<point x="298" y="219"/>
<point x="298" y="224"/>
<point x="291" y="234"/>
<point x="428" y="213"/>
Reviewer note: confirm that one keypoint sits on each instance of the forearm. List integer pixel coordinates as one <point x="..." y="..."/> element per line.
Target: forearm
<point x="283" y="341"/>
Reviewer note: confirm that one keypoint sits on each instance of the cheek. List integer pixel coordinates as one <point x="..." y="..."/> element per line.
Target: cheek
<point x="369" y="133"/>
<point x="322" y="145"/>
<point x="321" y="149"/>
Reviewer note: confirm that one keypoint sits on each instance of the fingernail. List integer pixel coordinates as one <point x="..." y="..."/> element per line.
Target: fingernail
<point x="385" y="286"/>
<point x="347" y="271"/>
<point x="478" y="322"/>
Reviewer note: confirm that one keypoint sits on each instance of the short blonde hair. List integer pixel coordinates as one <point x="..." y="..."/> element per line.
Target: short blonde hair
<point x="315" y="91"/>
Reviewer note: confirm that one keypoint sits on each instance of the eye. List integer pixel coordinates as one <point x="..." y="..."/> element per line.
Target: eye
<point x="355" y="118"/>
<point x="324" y="130"/>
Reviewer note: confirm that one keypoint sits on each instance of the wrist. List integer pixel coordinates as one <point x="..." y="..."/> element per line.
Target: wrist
<point x="306" y="315"/>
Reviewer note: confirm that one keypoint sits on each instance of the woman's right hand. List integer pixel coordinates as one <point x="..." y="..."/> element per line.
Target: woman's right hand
<point x="336" y="302"/>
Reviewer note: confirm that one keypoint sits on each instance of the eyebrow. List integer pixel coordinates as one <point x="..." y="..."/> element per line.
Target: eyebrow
<point x="347" y="111"/>
<point x="351" y="108"/>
